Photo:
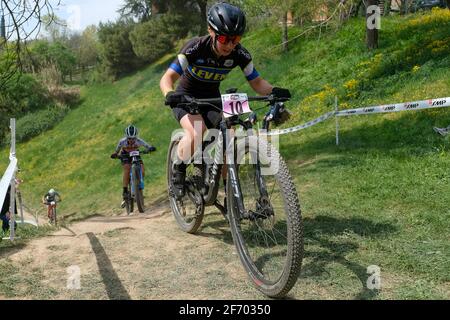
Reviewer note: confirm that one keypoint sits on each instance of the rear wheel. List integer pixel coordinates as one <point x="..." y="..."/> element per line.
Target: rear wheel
<point x="268" y="234"/>
<point x="189" y="210"/>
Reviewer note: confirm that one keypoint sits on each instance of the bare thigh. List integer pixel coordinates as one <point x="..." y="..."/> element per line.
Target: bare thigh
<point x="194" y="128"/>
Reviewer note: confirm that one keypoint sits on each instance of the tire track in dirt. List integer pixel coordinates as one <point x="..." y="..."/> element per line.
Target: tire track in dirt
<point x="142" y="256"/>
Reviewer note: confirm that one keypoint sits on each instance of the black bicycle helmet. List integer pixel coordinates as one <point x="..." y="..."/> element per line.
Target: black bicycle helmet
<point x="131" y="131"/>
<point x="226" y="19"/>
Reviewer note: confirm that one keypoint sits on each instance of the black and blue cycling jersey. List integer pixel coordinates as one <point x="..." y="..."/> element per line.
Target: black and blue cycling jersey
<point x="202" y="71"/>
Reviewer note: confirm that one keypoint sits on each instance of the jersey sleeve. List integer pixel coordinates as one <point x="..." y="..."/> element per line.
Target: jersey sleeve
<point x="119" y="146"/>
<point x="142" y="143"/>
<point x="246" y="64"/>
<point x="186" y="56"/>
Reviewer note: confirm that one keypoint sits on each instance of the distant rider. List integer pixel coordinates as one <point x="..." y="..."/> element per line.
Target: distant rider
<point x="51" y="197"/>
<point x="129" y="143"/>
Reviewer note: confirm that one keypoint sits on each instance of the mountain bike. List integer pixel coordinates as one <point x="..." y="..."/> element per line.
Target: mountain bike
<point x="136" y="185"/>
<point x="262" y="208"/>
<point x="53" y="217"/>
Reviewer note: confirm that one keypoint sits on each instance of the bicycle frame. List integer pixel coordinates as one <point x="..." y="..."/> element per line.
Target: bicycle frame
<point x="212" y="181"/>
<point x="228" y="150"/>
<point x="51" y="207"/>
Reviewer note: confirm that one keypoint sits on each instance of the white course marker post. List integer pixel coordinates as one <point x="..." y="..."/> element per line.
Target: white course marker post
<point x="336" y="109"/>
<point x="12" y="207"/>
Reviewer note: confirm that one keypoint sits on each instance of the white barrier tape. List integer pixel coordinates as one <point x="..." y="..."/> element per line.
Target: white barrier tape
<point x="416" y="105"/>
<point x="7" y="177"/>
<point x="302" y="126"/>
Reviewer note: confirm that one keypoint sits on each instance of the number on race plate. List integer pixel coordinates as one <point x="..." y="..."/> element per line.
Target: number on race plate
<point x="235" y="104"/>
<point x="134" y="153"/>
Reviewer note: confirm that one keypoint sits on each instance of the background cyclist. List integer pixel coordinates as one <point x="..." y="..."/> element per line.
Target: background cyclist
<point x="129" y="143"/>
<point x="48" y="198"/>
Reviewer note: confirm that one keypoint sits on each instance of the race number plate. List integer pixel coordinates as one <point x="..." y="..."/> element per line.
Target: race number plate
<point x="134" y="153"/>
<point x="235" y="104"/>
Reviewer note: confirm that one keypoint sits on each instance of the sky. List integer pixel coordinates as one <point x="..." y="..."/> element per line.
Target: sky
<point x="77" y="13"/>
<point x="81" y="13"/>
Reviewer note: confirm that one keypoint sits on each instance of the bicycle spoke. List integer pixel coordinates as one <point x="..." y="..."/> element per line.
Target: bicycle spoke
<point x="265" y="237"/>
<point x="189" y="210"/>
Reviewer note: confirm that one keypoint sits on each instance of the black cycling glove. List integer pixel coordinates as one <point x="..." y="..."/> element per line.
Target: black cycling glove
<point x="150" y="149"/>
<point x="174" y="98"/>
<point x="281" y="93"/>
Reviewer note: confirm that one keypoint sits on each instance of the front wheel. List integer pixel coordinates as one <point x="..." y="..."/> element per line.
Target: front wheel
<point x="54" y="219"/>
<point x="129" y="203"/>
<point x="268" y="229"/>
<point x="138" y="191"/>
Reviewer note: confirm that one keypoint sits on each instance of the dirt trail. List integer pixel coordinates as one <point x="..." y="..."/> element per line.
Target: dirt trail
<point x="147" y="256"/>
<point x="142" y="256"/>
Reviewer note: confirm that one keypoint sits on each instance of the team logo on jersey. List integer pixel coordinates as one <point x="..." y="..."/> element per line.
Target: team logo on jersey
<point x="200" y="61"/>
<point x="208" y="74"/>
<point x="228" y="63"/>
<point x="244" y="53"/>
<point x="211" y="61"/>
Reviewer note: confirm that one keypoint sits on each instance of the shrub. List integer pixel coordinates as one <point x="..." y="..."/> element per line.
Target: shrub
<point x="117" y="55"/>
<point x="23" y="94"/>
<point x="35" y="123"/>
<point x="150" y="41"/>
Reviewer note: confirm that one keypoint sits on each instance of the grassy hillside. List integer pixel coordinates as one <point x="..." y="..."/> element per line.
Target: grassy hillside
<point x="382" y="197"/>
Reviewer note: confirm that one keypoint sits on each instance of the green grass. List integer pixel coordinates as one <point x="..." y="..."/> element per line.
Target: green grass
<point x="16" y="278"/>
<point x="379" y="198"/>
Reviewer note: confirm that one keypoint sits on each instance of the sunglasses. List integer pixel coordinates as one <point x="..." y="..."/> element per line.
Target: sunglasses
<point x="223" y="39"/>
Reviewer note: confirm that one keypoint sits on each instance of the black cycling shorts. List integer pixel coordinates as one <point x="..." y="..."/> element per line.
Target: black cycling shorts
<point x="211" y="117"/>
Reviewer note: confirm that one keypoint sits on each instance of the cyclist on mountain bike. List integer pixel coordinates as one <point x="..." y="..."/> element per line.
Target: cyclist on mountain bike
<point x="202" y="64"/>
<point x="48" y="198"/>
<point x="129" y="143"/>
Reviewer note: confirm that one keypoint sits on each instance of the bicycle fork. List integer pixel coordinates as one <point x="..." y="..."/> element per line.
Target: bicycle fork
<point x="264" y="208"/>
<point x="232" y="177"/>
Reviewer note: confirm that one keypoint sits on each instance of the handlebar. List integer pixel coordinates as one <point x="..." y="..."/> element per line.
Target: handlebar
<point x="270" y="98"/>
<point x="127" y="155"/>
<point x="214" y="102"/>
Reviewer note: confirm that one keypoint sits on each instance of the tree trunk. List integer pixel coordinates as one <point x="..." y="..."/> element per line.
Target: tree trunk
<point x="387" y="8"/>
<point x="285" y="32"/>
<point x="382" y="5"/>
<point x="357" y="10"/>
<point x="2" y="27"/>
<point x="290" y="18"/>
<point x="405" y="6"/>
<point x="155" y="9"/>
<point x="202" y="4"/>
<point x="372" y="27"/>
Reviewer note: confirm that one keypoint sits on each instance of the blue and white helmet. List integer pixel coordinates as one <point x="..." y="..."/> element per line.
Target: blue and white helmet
<point x="131" y="131"/>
